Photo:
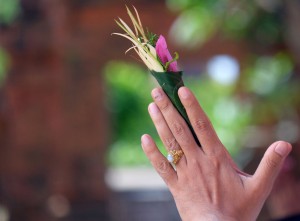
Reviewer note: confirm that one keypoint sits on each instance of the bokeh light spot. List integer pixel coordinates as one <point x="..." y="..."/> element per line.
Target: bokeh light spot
<point x="224" y="69"/>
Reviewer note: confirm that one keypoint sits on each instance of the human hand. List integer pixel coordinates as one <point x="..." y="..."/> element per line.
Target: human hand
<point x="206" y="184"/>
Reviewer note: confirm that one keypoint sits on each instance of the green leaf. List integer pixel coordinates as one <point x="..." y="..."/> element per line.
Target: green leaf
<point x="170" y="83"/>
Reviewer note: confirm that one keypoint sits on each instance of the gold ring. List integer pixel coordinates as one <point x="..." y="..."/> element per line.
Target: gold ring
<point x="174" y="156"/>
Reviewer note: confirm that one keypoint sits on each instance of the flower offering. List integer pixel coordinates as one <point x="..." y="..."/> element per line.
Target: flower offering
<point x="153" y="51"/>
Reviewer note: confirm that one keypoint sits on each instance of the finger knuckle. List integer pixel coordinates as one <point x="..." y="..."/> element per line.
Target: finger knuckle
<point x="193" y="162"/>
<point x="271" y="163"/>
<point x="181" y="134"/>
<point x="189" y="103"/>
<point x="164" y="106"/>
<point x="163" y="167"/>
<point x="217" y="153"/>
<point x="202" y="124"/>
<point x="179" y="129"/>
<point x="170" y="142"/>
<point x="215" y="161"/>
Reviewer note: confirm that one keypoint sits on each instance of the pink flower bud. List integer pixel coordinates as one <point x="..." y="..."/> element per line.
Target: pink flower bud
<point x="164" y="54"/>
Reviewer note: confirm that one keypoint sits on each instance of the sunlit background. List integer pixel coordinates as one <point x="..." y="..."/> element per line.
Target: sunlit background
<point x="73" y="106"/>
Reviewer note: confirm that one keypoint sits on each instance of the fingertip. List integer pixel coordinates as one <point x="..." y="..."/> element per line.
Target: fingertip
<point x="145" y="139"/>
<point x="152" y="108"/>
<point x="282" y="148"/>
<point x="184" y="92"/>
<point x="182" y="88"/>
<point x="157" y="94"/>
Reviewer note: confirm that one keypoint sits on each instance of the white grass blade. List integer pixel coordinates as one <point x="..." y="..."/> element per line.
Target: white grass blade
<point x="153" y="62"/>
<point x="127" y="28"/>
<point x="138" y="44"/>
<point x="145" y="55"/>
<point x="152" y="50"/>
<point x="137" y="24"/>
<point x="146" y="62"/>
<point x="144" y="50"/>
<point x="140" y="24"/>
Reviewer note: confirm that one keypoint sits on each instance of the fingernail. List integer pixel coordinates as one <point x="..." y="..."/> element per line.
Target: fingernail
<point x="184" y="92"/>
<point x="145" y="140"/>
<point x="282" y="148"/>
<point x="157" y="95"/>
<point x="153" y="109"/>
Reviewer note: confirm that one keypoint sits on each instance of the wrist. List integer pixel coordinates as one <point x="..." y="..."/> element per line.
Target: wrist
<point x="207" y="216"/>
<point x="212" y="218"/>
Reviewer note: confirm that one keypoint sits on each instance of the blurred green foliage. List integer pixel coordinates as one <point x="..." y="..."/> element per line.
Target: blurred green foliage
<point x="264" y="93"/>
<point x="128" y="96"/>
<point x="4" y="64"/>
<point x="272" y="87"/>
<point x="9" y="10"/>
<point x="199" y="20"/>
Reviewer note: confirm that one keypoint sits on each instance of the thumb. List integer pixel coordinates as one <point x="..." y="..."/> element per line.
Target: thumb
<point x="271" y="164"/>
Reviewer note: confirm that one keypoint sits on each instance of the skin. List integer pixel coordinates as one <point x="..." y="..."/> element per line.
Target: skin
<point x="206" y="184"/>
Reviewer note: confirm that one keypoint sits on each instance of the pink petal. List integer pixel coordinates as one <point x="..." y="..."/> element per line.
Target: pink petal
<point x="164" y="54"/>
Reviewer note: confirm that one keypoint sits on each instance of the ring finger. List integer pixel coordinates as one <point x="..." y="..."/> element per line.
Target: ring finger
<point x="164" y="131"/>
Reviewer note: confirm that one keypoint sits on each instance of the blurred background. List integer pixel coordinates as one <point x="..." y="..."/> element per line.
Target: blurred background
<point x="73" y="106"/>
